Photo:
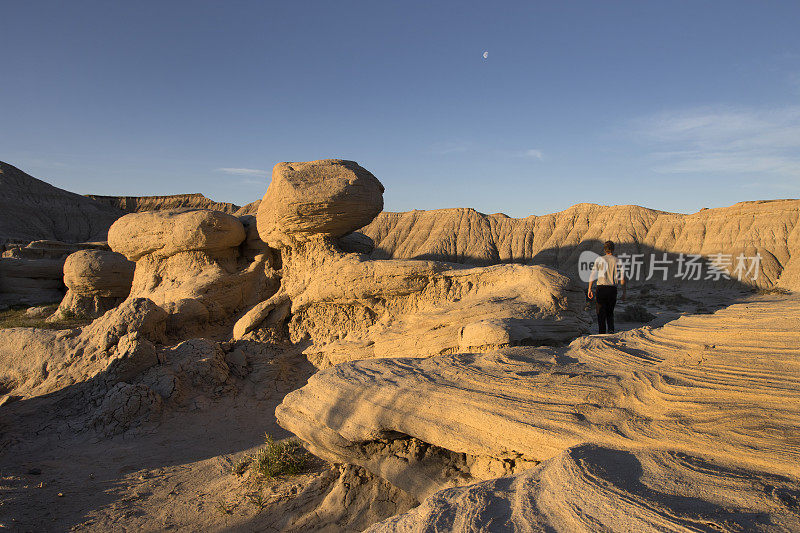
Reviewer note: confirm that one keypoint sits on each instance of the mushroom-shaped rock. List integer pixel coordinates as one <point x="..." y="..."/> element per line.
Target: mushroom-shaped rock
<point x="193" y="265"/>
<point x="329" y="197"/>
<point x="165" y="233"/>
<point x="96" y="280"/>
<point x="98" y="273"/>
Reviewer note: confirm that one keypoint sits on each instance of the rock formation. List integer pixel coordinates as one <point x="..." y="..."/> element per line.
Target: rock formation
<point x="97" y="281"/>
<point x="32" y="274"/>
<point x="686" y="405"/>
<point x="135" y="204"/>
<point x="769" y="228"/>
<point x="453" y="370"/>
<point x="191" y="264"/>
<point x="350" y="307"/>
<point x="117" y="346"/>
<point x="327" y="198"/>
<point x="31" y="210"/>
<point x="589" y="488"/>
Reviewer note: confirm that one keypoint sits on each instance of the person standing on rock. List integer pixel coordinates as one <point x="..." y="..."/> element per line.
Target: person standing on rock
<point x="607" y="274"/>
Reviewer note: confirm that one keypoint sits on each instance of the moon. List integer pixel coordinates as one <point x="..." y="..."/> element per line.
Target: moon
<point x="486" y="55"/>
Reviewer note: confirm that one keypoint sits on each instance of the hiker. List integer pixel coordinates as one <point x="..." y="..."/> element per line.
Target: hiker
<point x="607" y="274"/>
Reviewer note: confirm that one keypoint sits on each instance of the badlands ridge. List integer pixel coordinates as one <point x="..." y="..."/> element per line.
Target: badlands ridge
<point x="438" y="361"/>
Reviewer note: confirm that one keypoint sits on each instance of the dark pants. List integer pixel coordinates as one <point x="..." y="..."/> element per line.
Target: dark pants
<point x="606" y="300"/>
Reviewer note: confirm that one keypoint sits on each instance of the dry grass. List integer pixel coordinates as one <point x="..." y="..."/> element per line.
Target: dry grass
<point x="773" y="290"/>
<point x="16" y="318"/>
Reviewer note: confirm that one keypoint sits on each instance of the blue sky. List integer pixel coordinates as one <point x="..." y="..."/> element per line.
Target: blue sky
<point x="673" y="105"/>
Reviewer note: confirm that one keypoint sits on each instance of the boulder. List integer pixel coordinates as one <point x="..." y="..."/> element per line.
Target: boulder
<point x="98" y="273"/>
<point x="96" y="281"/>
<point x="329" y="197"/>
<point x="166" y="233"/>
<point x="350" y="307"/>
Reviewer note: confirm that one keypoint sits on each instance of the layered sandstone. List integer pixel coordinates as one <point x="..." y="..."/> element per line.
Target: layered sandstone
<point x="32" y="274"/>
<point x="31" y="210"/>
<point x="768" y="228"/>
<point x="717" y="389"/>
<point x="135" y="204"/>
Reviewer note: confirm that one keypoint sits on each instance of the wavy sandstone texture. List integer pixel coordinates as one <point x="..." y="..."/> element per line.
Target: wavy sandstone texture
<point x="31" y="209"/>
<point x="721" y="389"/>
<point x="135" y="204"/>
<point x="770" y="228"/>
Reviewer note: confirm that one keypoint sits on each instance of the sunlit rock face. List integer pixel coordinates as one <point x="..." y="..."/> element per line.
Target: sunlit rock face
<point x="693" y="421"/>
<point x="330" y="197"/>
<point x="194" y="264"/>
<point x="348" y="306"/>
<point x="770" y="229"/>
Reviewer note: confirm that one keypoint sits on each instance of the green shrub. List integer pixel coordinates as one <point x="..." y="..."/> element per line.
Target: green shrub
<point x="277" y="459"/>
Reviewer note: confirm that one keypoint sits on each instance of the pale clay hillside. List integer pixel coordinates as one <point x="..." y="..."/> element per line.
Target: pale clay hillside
<point x="438" y="365"/>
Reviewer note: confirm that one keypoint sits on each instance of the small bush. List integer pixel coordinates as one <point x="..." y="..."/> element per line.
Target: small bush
<point x="277" y="459"/>
<point x="636" y="313"/>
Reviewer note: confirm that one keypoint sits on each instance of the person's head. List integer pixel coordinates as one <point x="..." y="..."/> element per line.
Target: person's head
<point x="608" y="247"/>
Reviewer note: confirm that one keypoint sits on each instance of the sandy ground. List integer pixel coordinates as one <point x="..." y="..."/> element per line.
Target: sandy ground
<point x="175" y="475"/>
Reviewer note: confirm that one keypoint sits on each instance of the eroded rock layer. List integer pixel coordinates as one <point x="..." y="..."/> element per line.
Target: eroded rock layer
<point x="135" y="204"/>
<point x="723" y="387"/>
<point x="31" y="209"/>
<point x="768" y="228"/>
<point x="591" y="488"/>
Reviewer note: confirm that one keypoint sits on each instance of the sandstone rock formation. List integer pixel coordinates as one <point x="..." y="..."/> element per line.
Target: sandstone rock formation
<point x="32" y="274"/>
<point x="769" y="228"/>
<point x="135" y="204"/>
<point x="589" y="488"/>
<point x="31" y="209"/>
<point x="349" y="307"/>
<point x="191" y="264"/>
<point x="330" y="197"/>
<point x="703" y="401"/>
<point x="96" y="280"/>
<point x="117" y="346"/>
<point x="248" y="209"/>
